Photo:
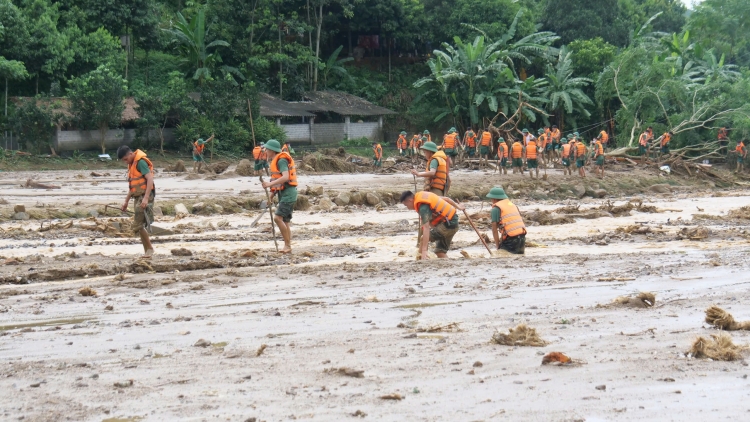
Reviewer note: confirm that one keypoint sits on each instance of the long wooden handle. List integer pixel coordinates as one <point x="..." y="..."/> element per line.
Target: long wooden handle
<point x="270" y="212"/>
<point x="477" y="231"/>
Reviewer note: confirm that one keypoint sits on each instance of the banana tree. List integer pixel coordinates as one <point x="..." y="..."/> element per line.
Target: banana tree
<point x="564" y="91"/>
<point x="335" y="65"/>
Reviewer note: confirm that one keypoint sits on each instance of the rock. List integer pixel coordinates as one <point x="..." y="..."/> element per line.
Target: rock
<point x="245" y="168"/>
<point x="181" y="252"/>
<point x="579" y="190"/>
<point x="180" y="210"/>
<point x="599" y="193"/>
<point x="660" y="188"/>
<point x="20" y="216"/>
<point x="372" y="199"/>
<point x="356" y="198"/>
<point x="178" y="167"/>
<point x="315" y="190"/>
<point x="325" y="204"/>
<point x="218" y="209"/>
<point x="94" y="213"/>
<point x="308" y="167"/>
<point x="219" y="167"/>
<point x="601" y="387"/>
<point x="303" y="203"/>
<point x="389" y="162"/>
<point x="19" y="208"/>
<point x="202" y="343"/>
<point x="342" y="199"/>
<point x="158" y="212"/>
<point x="197" y="207"/>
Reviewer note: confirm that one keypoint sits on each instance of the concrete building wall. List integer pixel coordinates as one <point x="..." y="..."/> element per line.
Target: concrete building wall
<point x="297" y="132"/>
<point x="328" y="133"/>
<point x="369" y="130"/>
<point x="85" y="140"/>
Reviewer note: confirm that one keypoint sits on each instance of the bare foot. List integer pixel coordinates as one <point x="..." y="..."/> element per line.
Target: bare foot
<point x="148" y="254"/>
<point x="286" y="250"/>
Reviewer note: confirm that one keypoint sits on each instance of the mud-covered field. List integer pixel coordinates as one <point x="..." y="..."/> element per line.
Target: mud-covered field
<point x="218" y="326"/>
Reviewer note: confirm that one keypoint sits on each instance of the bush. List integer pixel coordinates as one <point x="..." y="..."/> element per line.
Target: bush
<point x="266" y="129"/>
<point x="356" y="143"/>
<point x="33" y="120"/>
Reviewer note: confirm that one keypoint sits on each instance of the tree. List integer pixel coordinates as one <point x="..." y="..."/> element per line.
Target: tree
<point x="335" y="65"/>
<point x="94" y="49"/>
<point x="14" y="36"/>
<point x="584" y="19"/>
<point x="11" y="70"/>
<point x="34" y="121"/>
<point x="318" y="8"/>
<point x="96" y="100"/>
<point x="723" y="25"/>
<point x="589" y="57"/>
<point x="198" y="55"/>
<point x="157" y="105"/>
<point x="565" y="91"/>
<point x="48" y="49"/>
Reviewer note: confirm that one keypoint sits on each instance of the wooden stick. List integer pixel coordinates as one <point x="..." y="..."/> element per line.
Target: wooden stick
<point x="270" y="212"/>
<point x="477" y="231"/>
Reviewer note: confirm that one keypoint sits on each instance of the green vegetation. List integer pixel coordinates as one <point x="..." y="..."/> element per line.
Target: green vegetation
<point x="581" y="64"/>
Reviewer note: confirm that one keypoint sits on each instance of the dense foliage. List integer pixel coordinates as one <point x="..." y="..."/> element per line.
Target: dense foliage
<point x="581" y="64"/>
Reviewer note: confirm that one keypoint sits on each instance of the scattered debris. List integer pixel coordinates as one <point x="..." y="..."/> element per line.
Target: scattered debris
<point x="642" y="300"/>
<point x="556" y="357"/>
<point x="693" y="233"/>
<point x="720" y="348"/>
<point x="260" y="350"/>
<point x="124" y="384"/>
<point x="202" y="343"/>
<point x="349" y="372"/>
<point x="181" y="252"/>
<point x="451" y="327"/>
<point x="392" y="396"/>
<point x="723" y="320"/>
<point x="36" y="185"/>
<point x="359" y="413"/>
<point x="178" y="167"/>
<point x="522" y="335"/>
<point x="87" y="291"/>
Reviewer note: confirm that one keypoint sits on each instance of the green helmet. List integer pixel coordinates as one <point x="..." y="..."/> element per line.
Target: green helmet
<point x="424" y="138"/>
<point x="452" y="130"/>
<point x="525" y="130"/>
<point x="500" y="139"/>
<point x="540" y="131"/>
<point x="497" y="193"/>
<point x="426" y="132"/>
<point x="429" y="146"/>
<point x="576" y="134"/>
<point x="273" y="145"/>
<point x="200" y="140"/>
<point x="403" y="133"/>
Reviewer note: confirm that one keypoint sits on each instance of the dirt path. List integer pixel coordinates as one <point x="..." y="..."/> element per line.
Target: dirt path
<point x="353" y="297"/>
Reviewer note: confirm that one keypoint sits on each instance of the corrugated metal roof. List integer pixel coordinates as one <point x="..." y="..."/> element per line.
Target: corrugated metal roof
<point x="271" y="106"/>
<point x="344" y="104"/>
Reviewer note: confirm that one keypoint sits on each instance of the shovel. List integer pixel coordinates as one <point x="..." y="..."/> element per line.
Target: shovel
<point x="263" y="206"/>
<point x="153" y="230"/>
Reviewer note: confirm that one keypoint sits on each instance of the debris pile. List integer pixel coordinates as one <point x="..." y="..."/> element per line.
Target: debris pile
<point x="522" y="335"/>
<point x="723" y="320"/>
<point x="641" y="300"/>
<point x="719" y="347"/>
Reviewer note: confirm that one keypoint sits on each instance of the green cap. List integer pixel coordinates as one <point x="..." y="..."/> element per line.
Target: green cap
<point x="500" y="139"/>
<point x="403" y="133"/>
<point x="451" y="130"/>
<point x="540" y="131"/>
<point x="569" y="136"/>
<point x="429" y="146"/>
<point x="200" y="140"/>
<point x="575" y="134"/>
<point x="497" y="193"/>
<point x="525" y="131"/>
<point x="426" y="132"/>
<point x="273" y="145"/>
<point x="424" y="138"/>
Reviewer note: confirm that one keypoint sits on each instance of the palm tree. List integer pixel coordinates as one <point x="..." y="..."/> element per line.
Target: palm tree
<point x="335" y="65"/>
<point x="564" y="91"/>
<point x="197" y="56"/>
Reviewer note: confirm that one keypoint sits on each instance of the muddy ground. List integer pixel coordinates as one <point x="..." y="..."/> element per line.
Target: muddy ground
<point x="227" y="329"/>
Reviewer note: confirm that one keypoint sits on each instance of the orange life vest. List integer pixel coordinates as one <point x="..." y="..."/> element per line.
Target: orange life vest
<point x="486" y="138"/>
<point x="441" y="173"/>
<point x="502" y="150"/>
<point x="441" y="210"/>
<point x="449" y="141"/>
<point x="285" y="148"/>
<point x="566" y="150"/>
<point x="137" y="181"/>
<point x="531" y="150"/>
<point x="401" y="142"/>
<point x="740" y="149"/>
<point x="645" y="137"/>
<point x="471" y="139"/>
<point x="256" y="153"/>
<point x="556" y="135"/>
<point x="511" y="223"/>
<point x="516" y="150"/>
<point x="543" y="140"/>
<point x="665" y="139"/>
<point x="414" y="143"/>
<point x="599" y="148"/>
<point x="580" y="149"/>
<point x="199" y="147"/>
<point x="604" y="136"/>
<point x="275" y="173"/>
<point x="378" y="151"/>
<point x="722" y="134"/>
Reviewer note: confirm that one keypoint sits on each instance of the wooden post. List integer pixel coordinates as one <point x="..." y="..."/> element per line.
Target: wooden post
<point x="252" y="127"/>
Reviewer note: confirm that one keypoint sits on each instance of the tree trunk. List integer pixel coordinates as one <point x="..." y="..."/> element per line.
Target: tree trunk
<point x="309" y="39"/>
<point x="37" y="84"/>
<point x="389" y="60"/>
<point x="102" y="134"/>
<point x="6" y="97"/>
<point x="319" y="18"/>
<point x="161" y="135"/>
<point x="281" y="68"/>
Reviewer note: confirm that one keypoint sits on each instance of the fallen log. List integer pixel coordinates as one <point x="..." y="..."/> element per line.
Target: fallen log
<point x="31" y="184"/>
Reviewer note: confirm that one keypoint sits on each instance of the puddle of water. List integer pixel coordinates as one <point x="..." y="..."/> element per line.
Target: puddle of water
<point x="48" y="323"/>
<point x="223" y="305"/>
<point x="429" y="305"/>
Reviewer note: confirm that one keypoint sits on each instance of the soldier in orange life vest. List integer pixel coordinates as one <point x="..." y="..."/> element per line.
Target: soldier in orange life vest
<point x="378" y="154"/>
<point x="508" y="229"/>
<point x="502" y="155"/>
<point x="437" y="177"/>
<point x="723" y="137"/>
<point x="579" y="151"/>
<point x="485" y="147"/>
<point x="439" y="220"/>
<point x="284" y="185"/>
<point x="198" y="147"/>
<point x="143" y="191"/>
<point x="260" y="156"/>
<point x="599" y="157"/>
<point x="542" y="141"/>
<point x="741" y="155"/>
<point x="567" y="155"/>
<point x="664" y="142"/>
<point x="414" y="145"/>
<point x="426" y="134"/>
<point x="471" y="143"/>
<point x="516" y="157"/>
<point x="644" y="144"/>
<point x="532" y="163"/>
<point x="401" y="143"/>
<point x="557" y="141"/>
<point x="604" y="137"/>
<point x="450" y="145"/>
